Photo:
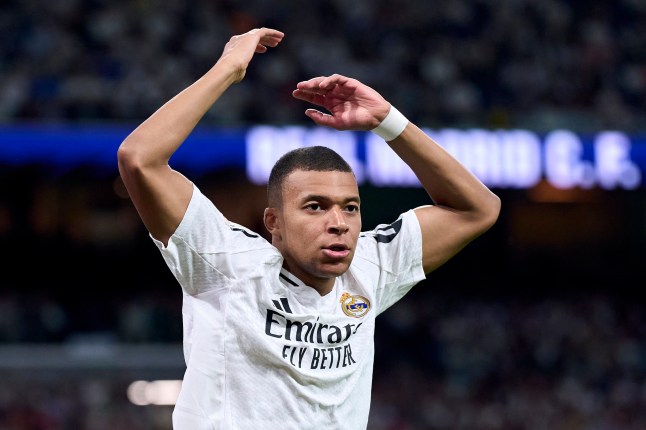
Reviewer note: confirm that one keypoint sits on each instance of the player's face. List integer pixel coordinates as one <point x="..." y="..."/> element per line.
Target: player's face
<point x="319" y="225"/>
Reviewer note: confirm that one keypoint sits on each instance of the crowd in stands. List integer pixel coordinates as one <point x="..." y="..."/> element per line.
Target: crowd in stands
<point x="74" y="402"/>
<point x="550" y="353"/>
<point x="563" y="364"/>
<point x="442" y="363"/>
<point x="488" y="63"/>
<point x="77" y="261"/>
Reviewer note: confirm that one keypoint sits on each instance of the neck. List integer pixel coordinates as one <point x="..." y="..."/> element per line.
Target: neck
<point x="322" y="285"/>
<point x="324" y="289"/>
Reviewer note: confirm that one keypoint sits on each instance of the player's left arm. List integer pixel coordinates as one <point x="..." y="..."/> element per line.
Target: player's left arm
<point x="464" y="208"/>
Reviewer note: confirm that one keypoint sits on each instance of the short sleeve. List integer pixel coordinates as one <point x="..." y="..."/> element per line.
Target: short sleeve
<point x="392" y="255"/>
<point x="207" y="250"/>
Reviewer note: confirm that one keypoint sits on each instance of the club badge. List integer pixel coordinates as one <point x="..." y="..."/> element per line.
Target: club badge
<point x="354" y="306"/>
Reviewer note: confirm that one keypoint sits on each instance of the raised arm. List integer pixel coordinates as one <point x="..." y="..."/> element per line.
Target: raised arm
<point x="159" y="193"/>
<point x="464" y="208"/>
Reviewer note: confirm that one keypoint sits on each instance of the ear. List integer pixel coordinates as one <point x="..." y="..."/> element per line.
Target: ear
<point x="270" y="218"/>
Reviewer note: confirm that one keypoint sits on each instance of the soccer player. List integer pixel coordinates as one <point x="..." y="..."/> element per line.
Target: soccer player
<point x="280" y="335"/>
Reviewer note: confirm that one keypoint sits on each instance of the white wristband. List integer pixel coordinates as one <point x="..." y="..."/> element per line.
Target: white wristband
<point x="392" y="126"/>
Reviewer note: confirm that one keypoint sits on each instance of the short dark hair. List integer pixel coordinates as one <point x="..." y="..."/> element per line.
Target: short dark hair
<point x="312" y="158"/>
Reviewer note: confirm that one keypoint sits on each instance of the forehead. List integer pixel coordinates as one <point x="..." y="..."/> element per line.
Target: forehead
<point x="334" y="184"/>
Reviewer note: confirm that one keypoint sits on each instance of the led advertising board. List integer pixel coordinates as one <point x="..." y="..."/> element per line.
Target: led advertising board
<point x="500" y="158"/>
<point x="517" y="159"/>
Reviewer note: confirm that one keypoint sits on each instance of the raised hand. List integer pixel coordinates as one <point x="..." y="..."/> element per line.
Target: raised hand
<point x="240" y="49"/>
<point x="351" y="104"/>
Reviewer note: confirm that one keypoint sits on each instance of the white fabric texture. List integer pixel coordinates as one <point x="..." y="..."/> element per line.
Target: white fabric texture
<point x="265" y="351"/>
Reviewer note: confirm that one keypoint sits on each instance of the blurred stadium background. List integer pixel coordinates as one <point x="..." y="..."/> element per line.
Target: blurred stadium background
<point x="539" y="324"/>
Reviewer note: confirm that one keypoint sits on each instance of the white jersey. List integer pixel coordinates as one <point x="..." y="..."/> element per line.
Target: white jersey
<point x="265" y="351"/>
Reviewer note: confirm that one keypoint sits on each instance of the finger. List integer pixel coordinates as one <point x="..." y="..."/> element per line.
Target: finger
<point x="270" y="32"/>
<point x="320" y="118"/>
<point x="271" y="41"/>
<point x="268" y="36"/>
<point x="301" y="95"/>
<point x="266" y="42"/>
<point x="308" y="96"/>
<point x="311" y="84"/>
<point x="331" y="81"/>
<point x="265" y="31"/>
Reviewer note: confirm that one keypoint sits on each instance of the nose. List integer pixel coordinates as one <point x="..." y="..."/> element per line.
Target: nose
<point x="337" y="222"/>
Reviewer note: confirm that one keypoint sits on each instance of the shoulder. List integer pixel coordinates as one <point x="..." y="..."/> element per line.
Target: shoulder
<point x="387" y="244"/>
<point x="404" y="226"/>
<point x="208" y="230"/>
<point x="388" y="260"/>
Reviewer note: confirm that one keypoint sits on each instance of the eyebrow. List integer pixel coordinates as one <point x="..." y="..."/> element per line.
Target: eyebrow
<point x="321" y="198"/>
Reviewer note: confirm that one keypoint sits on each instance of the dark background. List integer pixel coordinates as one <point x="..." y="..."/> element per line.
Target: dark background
<point x="537" y="324"/>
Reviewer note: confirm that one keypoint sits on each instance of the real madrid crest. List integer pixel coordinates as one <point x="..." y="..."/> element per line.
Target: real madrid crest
<point x="354" y="306"/>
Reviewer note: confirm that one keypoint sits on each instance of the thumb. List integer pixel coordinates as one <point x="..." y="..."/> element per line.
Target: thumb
<point x="320" y="118"/>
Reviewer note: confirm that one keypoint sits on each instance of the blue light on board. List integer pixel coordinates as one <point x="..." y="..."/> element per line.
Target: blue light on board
<point x="501" y="158"/>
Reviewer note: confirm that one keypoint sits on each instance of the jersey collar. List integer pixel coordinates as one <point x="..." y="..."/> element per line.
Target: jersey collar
<point x="308" y="296"/>
<point x="290" y="280"/>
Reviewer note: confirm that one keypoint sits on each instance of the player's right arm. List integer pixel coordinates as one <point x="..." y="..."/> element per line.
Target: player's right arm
<point x="159" y="193"/>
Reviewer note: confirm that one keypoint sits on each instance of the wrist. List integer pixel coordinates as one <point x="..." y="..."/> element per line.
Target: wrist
<point x="229" y="71"/>
<point x="392" y="126"/>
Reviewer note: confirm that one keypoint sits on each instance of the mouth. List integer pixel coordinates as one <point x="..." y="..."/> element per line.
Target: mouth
<point x="336" y="251"/>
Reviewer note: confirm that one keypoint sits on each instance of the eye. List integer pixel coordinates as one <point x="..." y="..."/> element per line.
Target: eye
<point x="352" y="208"/>
<point x="313" y="207"/>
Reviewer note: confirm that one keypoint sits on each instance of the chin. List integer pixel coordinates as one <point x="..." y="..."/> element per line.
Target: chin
<point x="334" y="270"/>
